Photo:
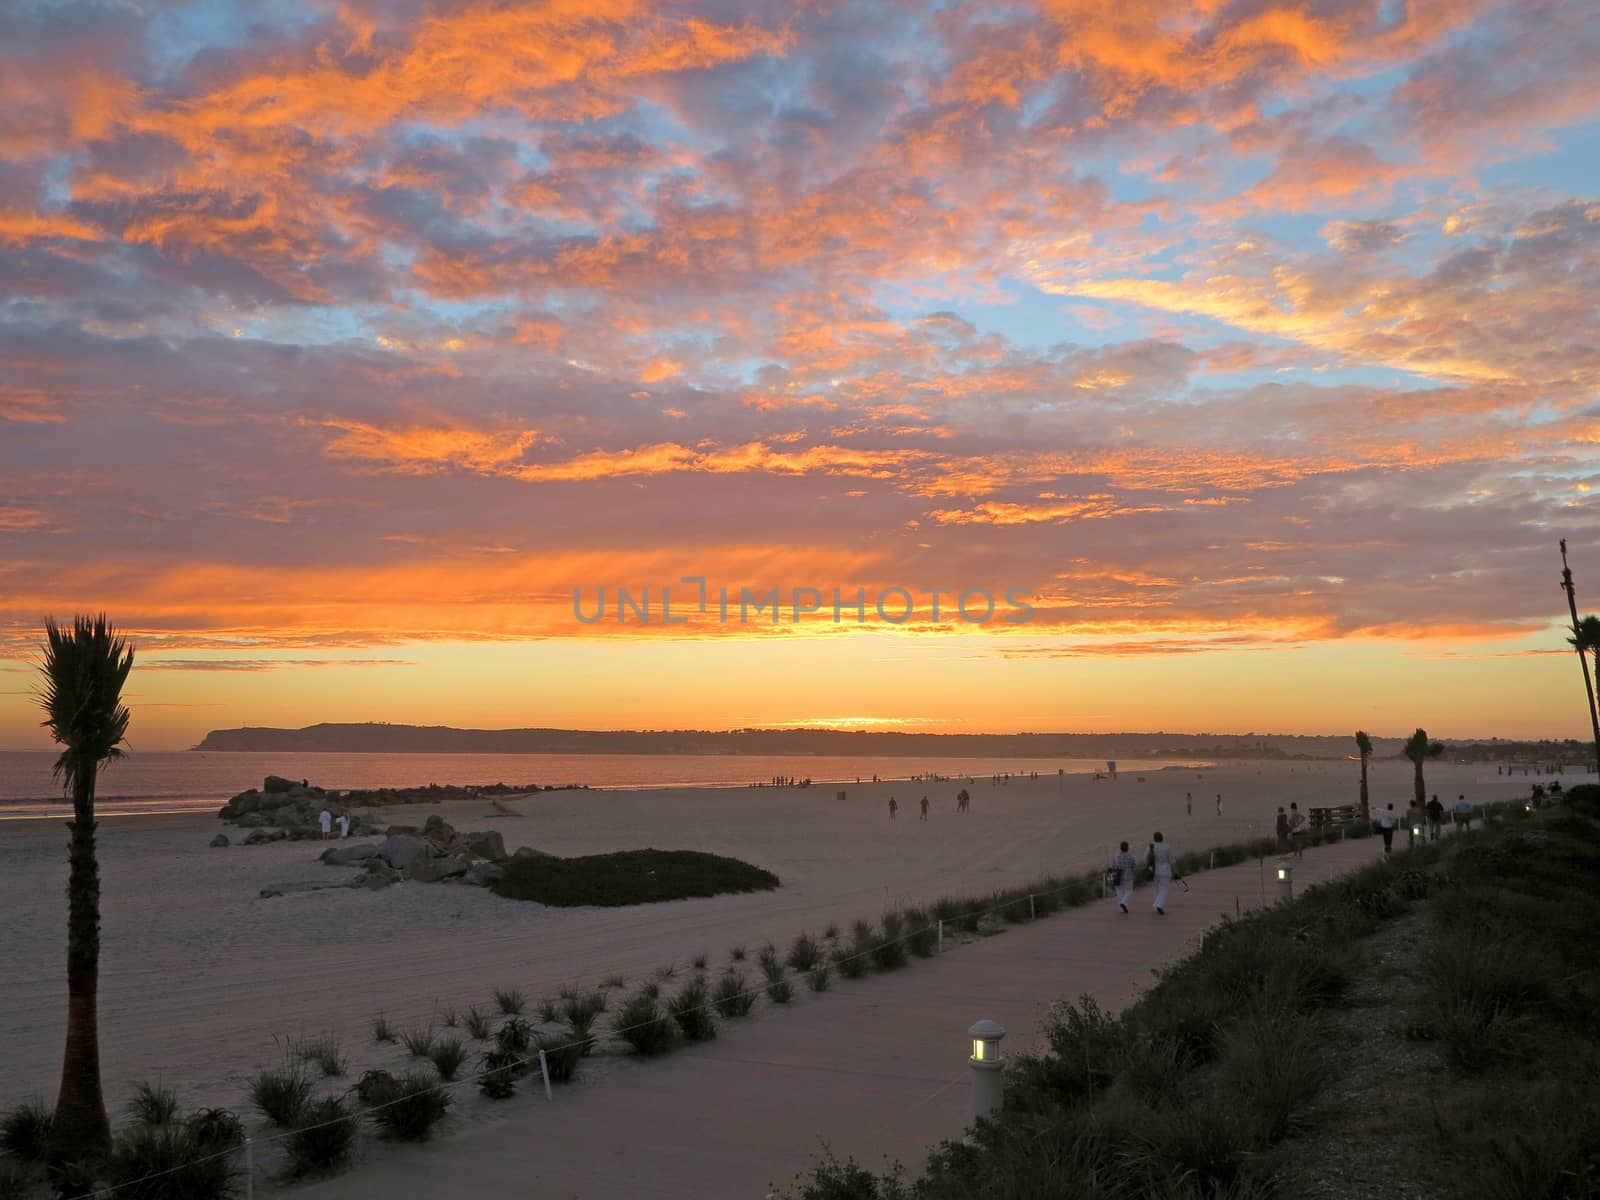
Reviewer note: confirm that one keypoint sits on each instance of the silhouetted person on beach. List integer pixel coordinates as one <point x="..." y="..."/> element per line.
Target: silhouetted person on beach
<point x="1161" y="867"/>
<point x="893" y="808"/>
<point x="1219" y="804"/>
<point x="1297" y="829"/>
<point x="1387" y="820"/>
<point x="1188" y="804"/>
<point x="1280" y="826"/>
<point x="1123" y="867"/>
<point x="963" y="800"/>
<point x="1435" y="818"/>
<point x="924" y="808"/>
<point x="1463" y="813"/>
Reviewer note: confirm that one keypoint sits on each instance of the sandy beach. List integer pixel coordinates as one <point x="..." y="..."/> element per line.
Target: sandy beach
<point x="199" y="974"/>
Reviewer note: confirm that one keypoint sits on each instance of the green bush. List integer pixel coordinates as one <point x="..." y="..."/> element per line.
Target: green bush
<point x="478" y="1025"/>
<point x="409" y="1107"/>
<point x="215" y="1128"/>
<point x="629" y="877"/>
<point x="853" y="959"/>
<point x="374" y="1084"/>
<point x="153" y="1105"/>
<point x="643" y="1025"/>
<point x="691" y="1009"/>
<point x="323" y="1139"/>
<point x="282" y="1095"/>
<point x="382" y="1031"/>
<point x="1272" y="1069"/>
<point x="888" y="952"/>
<point x="515" y="1036"/>
<point x="510" y="1001"/>
<point x="780" y="991"/>
<point x="562" y="1053"/>
<point x="769" y="962"/>
<point x="25" y="1131"/>
<point x="499" y="1071"/>
<point x="419" y="1042"/>
<point x="922" y="937"/>
<point x="733" y="997"/>
<point x="804" y="954"/>
<point x="164" y="1162"/>
<point x="447" y="1055"/>
<point x="817" y="977"/>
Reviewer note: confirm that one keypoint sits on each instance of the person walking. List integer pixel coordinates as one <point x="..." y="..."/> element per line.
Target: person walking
<point x="1219" y="804"/>
<point x="1123" y="867"/>
<point x="1387" y="820"/>
<point x="1463" y="814"/>
<point x="893" y="808"/>
<point x="1297" y="829"/>
<point x="924" y="808"/>
<point x="1280" y="826"/>
<point x="1435" y="818"/>
<point x="1161" y="867"/>
<point x="1188" y="804"/>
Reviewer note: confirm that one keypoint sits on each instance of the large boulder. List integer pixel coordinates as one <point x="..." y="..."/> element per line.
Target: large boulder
<point x="402" y="831"/>
<point x="401" y="852"/>
<point x="259" y="836"/>
<point x="276" y="783"/>
<point x="435" y="870"/>
<point x="488" y="844"/>
<point x="529" y="852"/>
<point x="244" y="802"/>
<point x="377" y="875"/>
<point x="349" y="856"/>
<point x="254" y="820"/>
<point x="484" y="873"/>
<point x="220" y="840"/>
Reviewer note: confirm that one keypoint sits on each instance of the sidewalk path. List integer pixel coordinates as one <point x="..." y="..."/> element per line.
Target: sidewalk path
<point x="874" y="1069"/>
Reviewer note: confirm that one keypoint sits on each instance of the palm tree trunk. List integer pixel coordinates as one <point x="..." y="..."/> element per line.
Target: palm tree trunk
<point x="1366" y="808"/>
<point x="1418" y="786"/>
<point x="1588" y="687"/>
<point x="80" y="1128"/>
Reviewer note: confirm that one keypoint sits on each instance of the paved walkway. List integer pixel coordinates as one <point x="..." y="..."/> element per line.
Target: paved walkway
<point x="874" y="1069"/>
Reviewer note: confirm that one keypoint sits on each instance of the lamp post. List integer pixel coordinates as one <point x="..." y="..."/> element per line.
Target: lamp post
<point x="1285" y="879"/>
<point x="986" y="1062"/>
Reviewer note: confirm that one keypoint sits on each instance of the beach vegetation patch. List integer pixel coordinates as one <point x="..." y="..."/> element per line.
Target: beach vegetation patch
<point x="324" y="1137"/>
<point x="562" y="1051"/>
<point x="167" y="1160"/>
<point x="732" y="997"/>
<point x="643" y="1024"/>
<point x="282" y="1094"/>
<point x="408" y="1108"/>
<point x="25" y="1131"/>
<point x="629" y="877"/>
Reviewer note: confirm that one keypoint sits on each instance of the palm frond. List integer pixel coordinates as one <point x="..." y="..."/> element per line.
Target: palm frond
<point x="82" y="676"/>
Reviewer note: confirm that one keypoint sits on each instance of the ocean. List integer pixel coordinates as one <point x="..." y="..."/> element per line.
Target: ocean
<point x="193" y="781"/>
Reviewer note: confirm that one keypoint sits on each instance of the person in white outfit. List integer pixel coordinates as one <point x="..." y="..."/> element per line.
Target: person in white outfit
<point x="326" y="821"/>
<point x="1161" y="866"/>
<point x="344" y="825"/>
<point x="1123" y="867"/>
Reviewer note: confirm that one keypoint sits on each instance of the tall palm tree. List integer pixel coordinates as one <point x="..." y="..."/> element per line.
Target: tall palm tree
<point x="1364" y="744"/>
<point x="1585" y="640"/>
<point x="1419" y="749"/>
<point x="83" y="671"/>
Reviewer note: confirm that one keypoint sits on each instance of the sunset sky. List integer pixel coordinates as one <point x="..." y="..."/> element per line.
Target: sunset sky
<point x="1257" y="343"/>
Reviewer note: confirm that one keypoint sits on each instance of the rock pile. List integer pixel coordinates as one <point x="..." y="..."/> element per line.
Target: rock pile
<point x="436" y="853"/>
<point x="282" y="808"/>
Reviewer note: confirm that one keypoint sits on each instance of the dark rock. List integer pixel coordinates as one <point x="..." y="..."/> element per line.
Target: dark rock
<point x="254" y="820"/>
<point x="276" y="783"/>
<point x="377" y="876"/>
<point x="349" y="856"/>
<point x="260" y="836"/>
<point x="529" y="852"/>
<point x="488" y="845"/>
<point x="484" y="873"/>
<point x="220" y="840"/>
<point x="402" y="831"/>
<point x="401" y="852"/>
<point x="435" y="870"/>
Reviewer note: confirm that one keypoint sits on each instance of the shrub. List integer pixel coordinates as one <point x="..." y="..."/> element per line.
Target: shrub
<point x="449" y="1018"/>
<point x="324" y="1138"/>
<point x="803" y="955"/>
<point x="448" y="1054"/>
<point x="736" y="954"/>
<point x="215" y="1128"/>
<point x="651" y="988"/>
<point x="16" y="1180"/>
<point x="282" y="1095"/>
<point x="163" y="1162"/>
<point x="852" y="960"/>
<point x="374" y="1084"/>
<point x="779" y="991"/>
<point x="153" y="1105"/>
<point x="769" y="962"/>
<point x="614" y="981"/>
<point x="732" y="998"/>
<point x="699" y="962"/>
<point x="478" y="1025"/>
<point x="511" y="1002"/>
<point x="498" y="1080"/>
<point x="514" y="1037"/>
<point x="382" y="1031"/>
<point x="691" y="1009"/>
<point x="921" y="937"/>
<point x="831" y="933"/>
<point x="410" y="1107"/>
<point x="419" y="1042"/>
<point x="25" y="1131"/>
<point x="1272" y="1070"/>
<point x="643" y="1025"/>
<point x="549" y="1010"/>
<point x="562" y="1053"/>
<point x="817" y="977"/>
<point x="579" y="1010"/>
<point x="888" y="952"/>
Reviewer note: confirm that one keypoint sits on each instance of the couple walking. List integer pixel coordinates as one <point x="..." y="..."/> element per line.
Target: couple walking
<point x="1160" y="861"/>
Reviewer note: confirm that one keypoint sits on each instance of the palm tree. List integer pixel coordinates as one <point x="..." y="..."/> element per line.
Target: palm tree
<point x="1364" y="744"/>
<point x="1419" y="749"/>
<point x="1585" y="640"/>
<point x="84" y="671"/>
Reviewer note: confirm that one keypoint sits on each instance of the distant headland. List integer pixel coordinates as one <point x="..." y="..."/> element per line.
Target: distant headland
<point x="376" y="738"/>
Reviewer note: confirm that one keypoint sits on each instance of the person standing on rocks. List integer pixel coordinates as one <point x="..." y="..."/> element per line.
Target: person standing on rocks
<point x="325" y="820"/>
<point x="1122" y="871"/>
<point x="344" y="825"/>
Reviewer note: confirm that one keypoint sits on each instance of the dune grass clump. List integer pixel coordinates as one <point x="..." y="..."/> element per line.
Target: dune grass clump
<point x="612" y="982"/>
<point x="887" y="949"/>
<point x="153" y="1105"/>
<point x="562" y="1053"/>
<point x="853" y="958"/>
<point x="817" y="977"/>
<point x="831" y="933"/>
<point x="479" y="1025"/>
<point x="419" y="1042"/>
<point x="643" y="1024"/>
<point x="498" y="1072"/>
<point x="323" y="1139"/>
<point x="510" y="1002"/>
<point x="670" y="971"/>
<point x="780" y="990"/>
<point x="165" y="1160"/>
<point x="921" y="936"/>
<point x="691" y="1008"/>
<point x="382" y="1031"/>
<point x="447" y="1055"/>
<point x="732" y="998"/>
<point x="579" y="1010"/>
<point x="449" y="1017"/>
<point x="804" y="954"/>
<point x="736" y="954"/>
<point x="282" y="1094"/>
<point x="25" y="1131"/>
<point x="408" y="1108"/>
<point x="514" y="1036"/>
<point x="218" y="1127"/>
<point x="373" y="1084"/>
<point x="549" y="1010"/>
<point x="651" y="988"/>
<point x="629" y="877"/>
<point x="699" y="962"/>
<point x="326" y="1053"/>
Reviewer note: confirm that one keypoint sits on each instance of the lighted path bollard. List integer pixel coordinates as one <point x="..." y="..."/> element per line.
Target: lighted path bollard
<point x="987" y="1064"/>
<point x="1285" y="879"/>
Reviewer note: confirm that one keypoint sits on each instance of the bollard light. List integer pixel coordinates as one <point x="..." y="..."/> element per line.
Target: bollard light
<point x="986" y="1063"/>
<point x="1285" y="879"/>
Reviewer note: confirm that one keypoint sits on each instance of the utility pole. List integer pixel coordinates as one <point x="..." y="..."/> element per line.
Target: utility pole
<point x="1583" y="654"/>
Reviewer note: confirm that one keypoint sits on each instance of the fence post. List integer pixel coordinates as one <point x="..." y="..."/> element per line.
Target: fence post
<point x="544" y="1069"/>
